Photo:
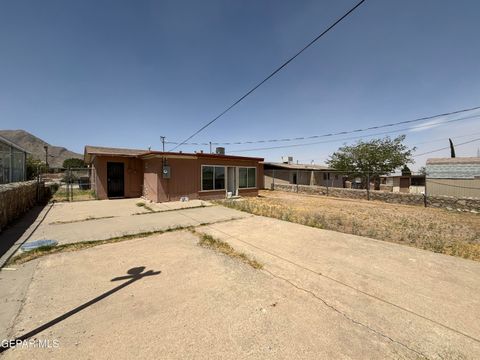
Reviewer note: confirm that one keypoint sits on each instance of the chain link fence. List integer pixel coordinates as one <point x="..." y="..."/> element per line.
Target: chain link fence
<point x="73" y="184"/>
<point x="326" y="178"/>
<point x="415" y="184"/>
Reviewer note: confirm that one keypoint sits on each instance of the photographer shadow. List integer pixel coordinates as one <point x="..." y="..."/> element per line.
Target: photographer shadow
<point x="134" y="274"/>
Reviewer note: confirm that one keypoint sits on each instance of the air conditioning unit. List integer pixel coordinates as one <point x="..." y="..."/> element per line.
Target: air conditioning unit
<point x="287" y="159"/>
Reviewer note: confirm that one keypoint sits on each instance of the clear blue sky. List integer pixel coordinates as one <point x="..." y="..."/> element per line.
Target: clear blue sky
<point x="122" y="73"/>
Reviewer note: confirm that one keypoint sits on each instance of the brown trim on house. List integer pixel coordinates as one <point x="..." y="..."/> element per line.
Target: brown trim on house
<point x="198" y="155"/>
<point x="144" y="173"/>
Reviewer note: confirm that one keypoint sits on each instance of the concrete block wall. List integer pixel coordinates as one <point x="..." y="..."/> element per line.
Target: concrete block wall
<point x="16" y="199"/>
<point x="447" y="202"/>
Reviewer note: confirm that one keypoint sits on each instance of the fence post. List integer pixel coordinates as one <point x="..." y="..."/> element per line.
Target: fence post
<point x="425" y="202"/>
<point x="71" y="184"/>
<point x="327" y="182"/>
<point x="273" y="179"/>
<point x="69" y="174"/>
<point x="297" y="180"/>
<point x="368" y="186"/>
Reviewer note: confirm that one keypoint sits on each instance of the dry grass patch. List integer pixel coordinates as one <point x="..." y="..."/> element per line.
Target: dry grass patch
<point x="47" y="250"/>
<point x="78" y="195"/>
<point x="437" y="230"/>
<point x="225" y="248"/>
<point x="81" y="220"/>
<point x="164" y="210"/>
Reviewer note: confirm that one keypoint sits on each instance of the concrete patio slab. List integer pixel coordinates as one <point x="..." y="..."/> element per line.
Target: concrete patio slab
<point x="320" y="294"/>
<point x="106" y="228"/>
<point x="14" y="284"/>
<point x="82" y="210"/>
<point x="202" y="305"/>
<point x="64" y="212"/>
<point x="428" y="302"/>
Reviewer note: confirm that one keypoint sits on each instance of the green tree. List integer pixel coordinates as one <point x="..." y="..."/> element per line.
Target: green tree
<point x="406" y="171"/>
<point x="34" y="167"/>
<point x="374" y="157"/>
<point x="73" y="163"/>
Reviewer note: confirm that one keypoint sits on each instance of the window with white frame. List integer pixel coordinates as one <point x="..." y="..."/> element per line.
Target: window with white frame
<point x="213" y="177"/>
<point x="247" y="177"/>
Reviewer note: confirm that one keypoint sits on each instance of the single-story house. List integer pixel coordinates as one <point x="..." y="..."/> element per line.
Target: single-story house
<point x="13" y="162"/>
<point x="165" y="176"/>
<point x="458" y="177"/>
<point x="301" y="174"/>
<point x="410" y="184"/>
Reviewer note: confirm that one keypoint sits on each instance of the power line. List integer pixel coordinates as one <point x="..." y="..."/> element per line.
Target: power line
<point x="271" y="75"/>
<point x="333" y="134"/>
<point x="352" y="137"/>
<point x="425" y="142"/>
<point x="443" y="139"/>
<point x="448" y="147"/>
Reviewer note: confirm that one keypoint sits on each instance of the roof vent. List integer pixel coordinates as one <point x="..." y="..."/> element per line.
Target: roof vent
<point x="220" y="151"/>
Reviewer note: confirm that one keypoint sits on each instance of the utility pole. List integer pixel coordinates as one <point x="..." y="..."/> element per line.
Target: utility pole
<point x="162" y="139"/>
<point x="210" y="146"/>
<point x="46" y="157"/>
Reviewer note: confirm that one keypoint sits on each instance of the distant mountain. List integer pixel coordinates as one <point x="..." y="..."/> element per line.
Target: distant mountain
<point x="35" y="146"/>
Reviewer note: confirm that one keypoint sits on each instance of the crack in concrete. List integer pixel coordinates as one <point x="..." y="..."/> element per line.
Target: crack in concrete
<point x="351" y="287"/>
<point x="22" y="302"/>
<point x="345" y="315"/>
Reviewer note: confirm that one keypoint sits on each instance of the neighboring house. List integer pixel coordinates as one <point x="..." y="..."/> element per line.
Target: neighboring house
<point x="13" y="162"/>
<point x="164" y="176"/>
<point x="459" y="177"/>
<point x="410" y="184"/>
<point x="301" y="174"/>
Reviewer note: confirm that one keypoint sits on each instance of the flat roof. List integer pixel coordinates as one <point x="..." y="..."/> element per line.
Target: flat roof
<point x="109" y="151"/>
<point x="400" y="175"/>
<point x="455" y="160"/>
<point x="298" y="166"/>
<point x="106" y="151"/>
<point x="198" y="155"/>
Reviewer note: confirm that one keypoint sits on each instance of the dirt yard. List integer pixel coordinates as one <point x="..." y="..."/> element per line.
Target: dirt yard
<point x="431" y="229"/>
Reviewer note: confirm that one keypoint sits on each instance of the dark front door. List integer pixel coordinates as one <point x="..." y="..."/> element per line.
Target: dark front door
<point x="115" y="179"/>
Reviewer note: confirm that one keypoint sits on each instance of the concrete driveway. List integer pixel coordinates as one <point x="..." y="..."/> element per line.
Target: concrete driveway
<point x="320" y="294"/>
<point x="100" y="220"/>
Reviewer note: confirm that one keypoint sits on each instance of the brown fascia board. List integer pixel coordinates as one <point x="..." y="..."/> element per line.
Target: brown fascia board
<point x="151" y="154"/>
<point x="91" y="151"/>
<point x="88" y="157"/>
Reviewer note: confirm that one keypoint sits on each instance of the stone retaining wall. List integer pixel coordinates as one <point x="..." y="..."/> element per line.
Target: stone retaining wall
<point x="451" y="203"/>
<point x="18" y="198"/>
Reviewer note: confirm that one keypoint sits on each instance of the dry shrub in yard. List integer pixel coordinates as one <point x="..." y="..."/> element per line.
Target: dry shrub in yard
<point x="436" y="230"/>
<point x="225" y="248"/>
